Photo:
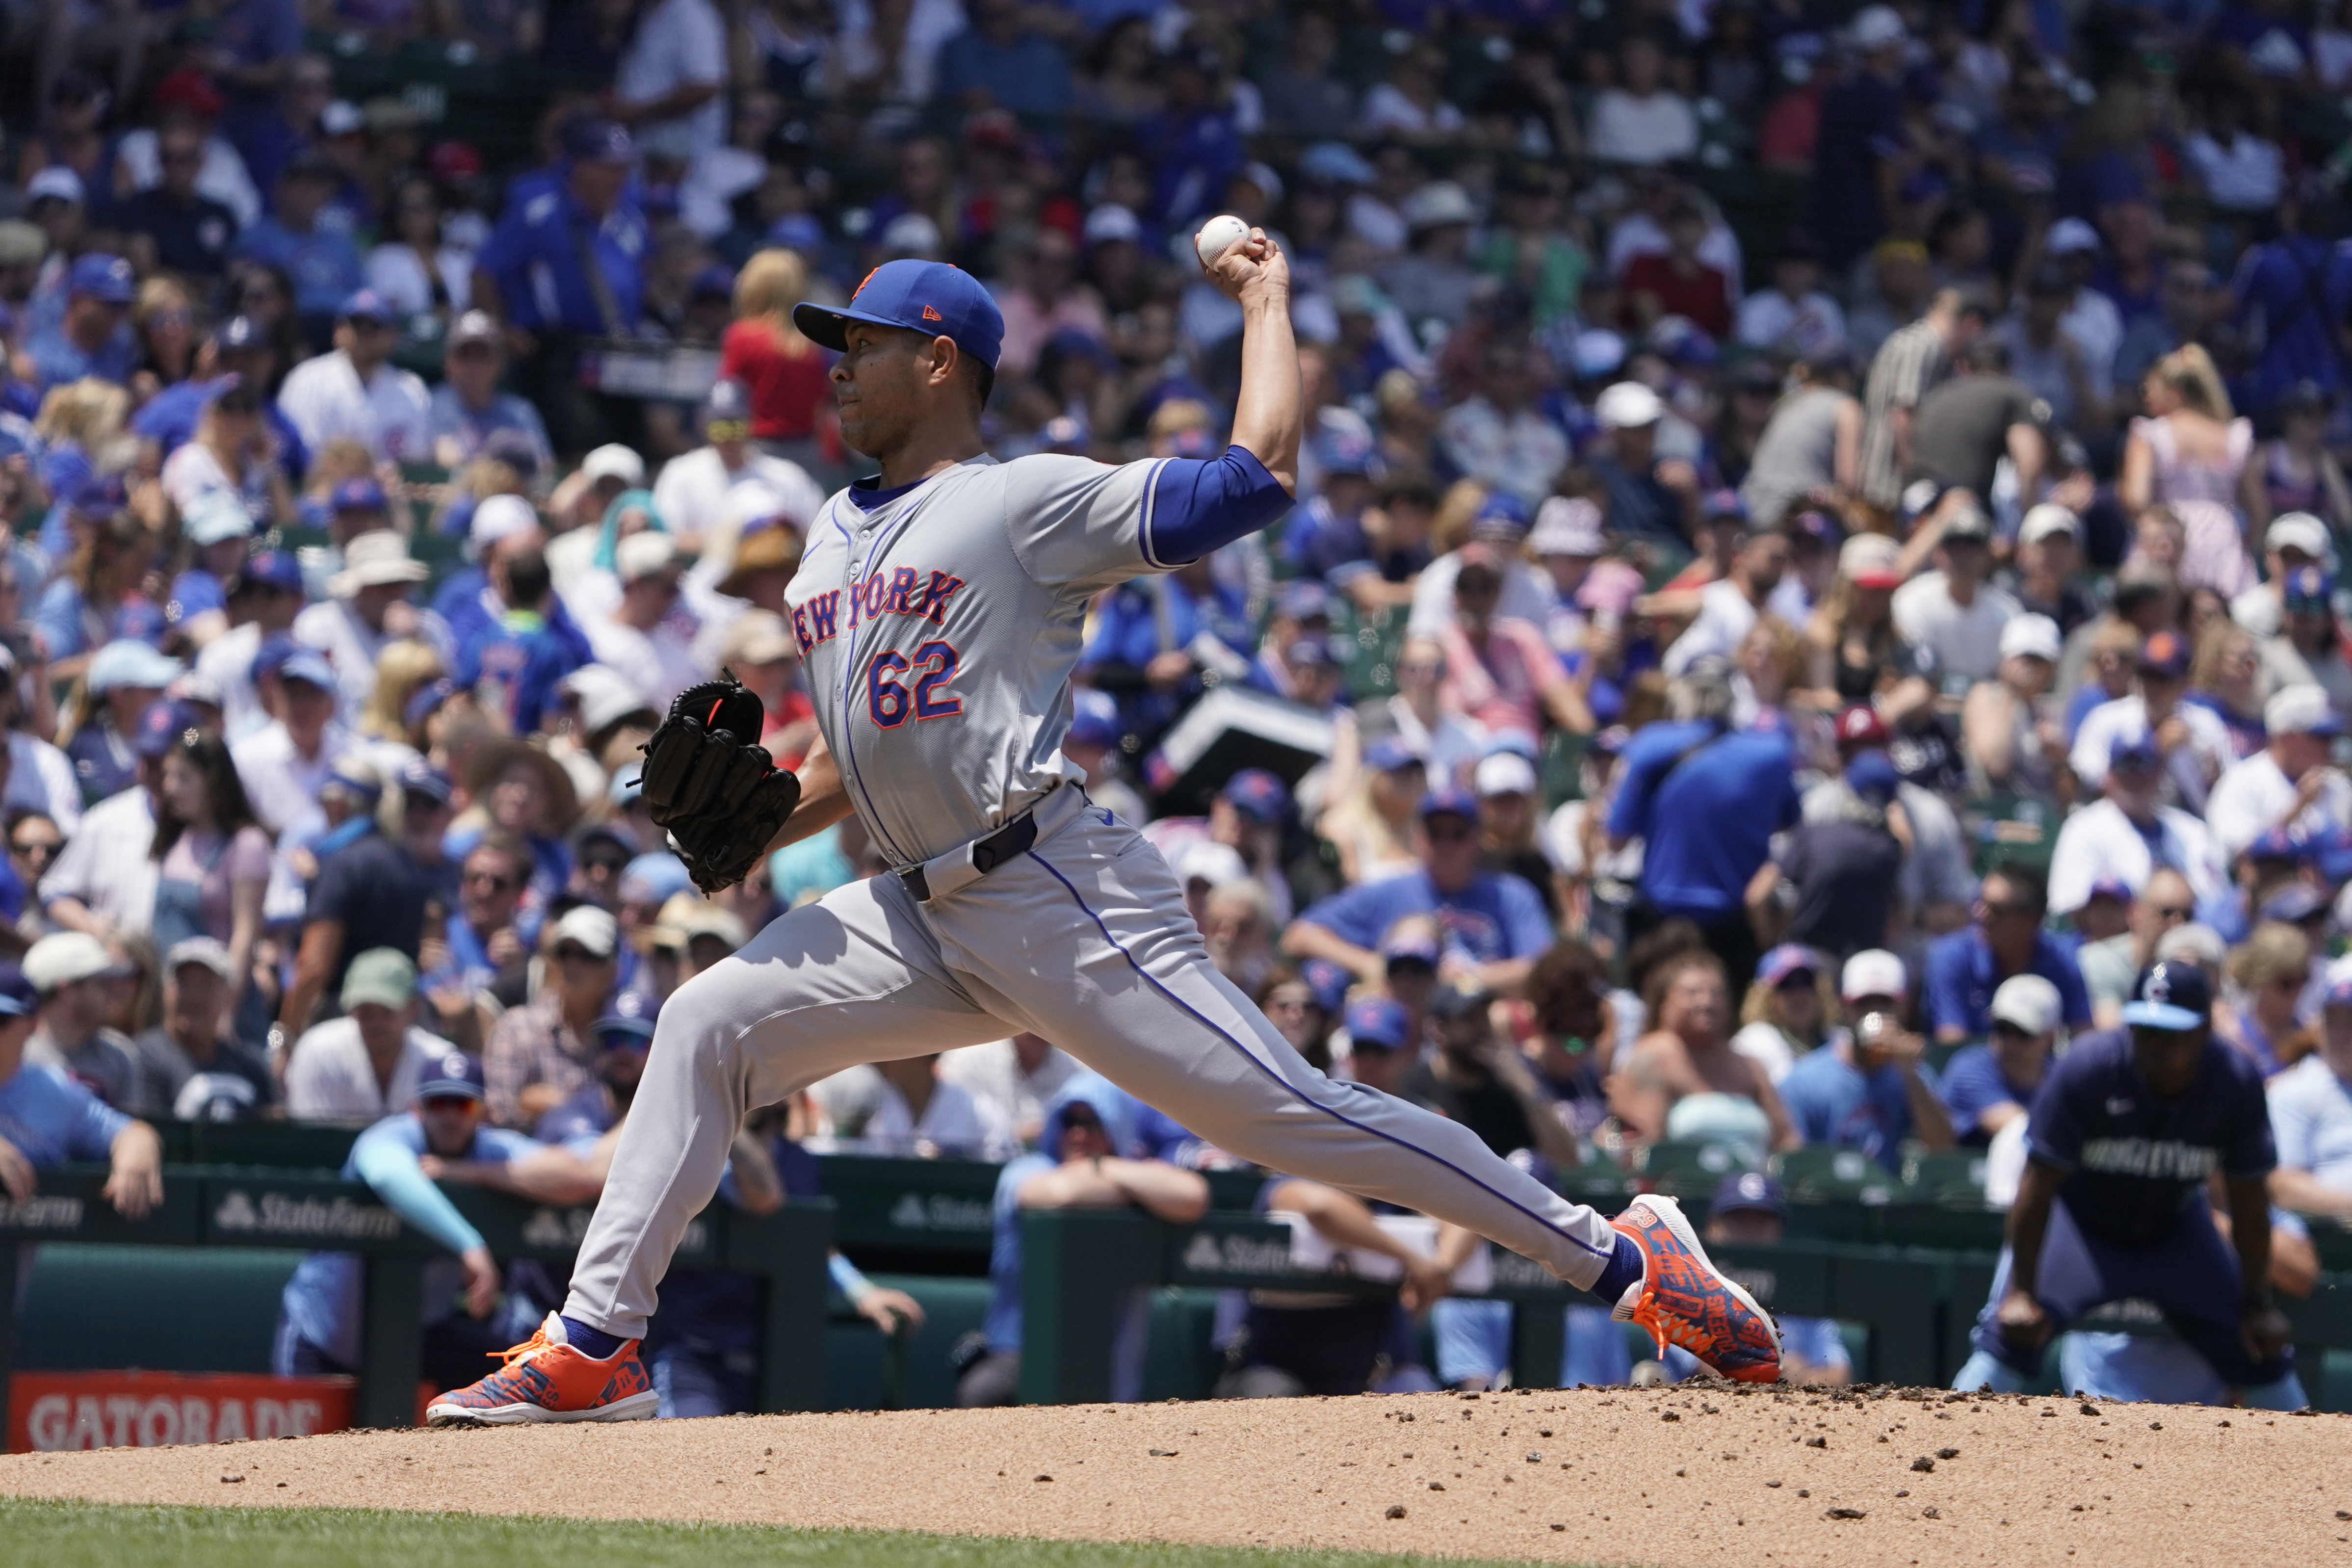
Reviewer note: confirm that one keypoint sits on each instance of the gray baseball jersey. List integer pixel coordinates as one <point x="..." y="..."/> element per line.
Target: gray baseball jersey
<point x="939" y="630"/>
<point x="938" y="633"/>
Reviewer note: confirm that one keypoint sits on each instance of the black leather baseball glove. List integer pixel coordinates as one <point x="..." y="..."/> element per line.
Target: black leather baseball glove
<point x="713" y="786"/>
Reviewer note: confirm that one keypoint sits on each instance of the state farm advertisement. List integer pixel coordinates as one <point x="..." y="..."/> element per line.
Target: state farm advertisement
<point x="49" y="1411"/>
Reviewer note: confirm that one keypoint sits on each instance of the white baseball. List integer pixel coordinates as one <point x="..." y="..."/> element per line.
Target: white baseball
<point x="1219" y="234"/>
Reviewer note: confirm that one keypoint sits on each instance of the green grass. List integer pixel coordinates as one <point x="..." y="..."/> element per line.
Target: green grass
<point x="99" y="1535"/>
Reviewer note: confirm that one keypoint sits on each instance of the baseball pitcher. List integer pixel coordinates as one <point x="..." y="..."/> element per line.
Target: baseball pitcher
<point x="939" y="607"/>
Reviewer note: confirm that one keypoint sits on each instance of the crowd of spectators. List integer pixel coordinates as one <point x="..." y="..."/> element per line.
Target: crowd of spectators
<point x="1815" y="554"/>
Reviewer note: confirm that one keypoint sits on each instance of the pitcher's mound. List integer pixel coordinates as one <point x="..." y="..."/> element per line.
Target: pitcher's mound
<point x="1698" y="1475"/>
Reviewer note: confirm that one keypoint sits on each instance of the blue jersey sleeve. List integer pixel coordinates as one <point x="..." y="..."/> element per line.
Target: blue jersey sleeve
<point x="2054" y="1135"/>
<point x="1946" y="1000"/>
<point x="1648" y="760"/>
<point x="1525" y="927"/>
<point x="1198" y="505"/>
<point x="2073" y="997"/>
<point x="92" y="1125"/>
<point x="2250" y="1152"/>
<point x="385" y="1157"/>
<point x="1361" y="914"/>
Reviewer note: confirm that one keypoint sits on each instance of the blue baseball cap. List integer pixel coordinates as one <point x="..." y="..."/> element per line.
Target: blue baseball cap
<point x="364" y="305"/>
<point x="2339" y="991"/>
<point x="354" y="495"/>
<point x="590" y="140"/>
<point x="1871" y="776"/>
<point x="426" y="700"/>
<point x="928" y="297"/>
<point x="2165" y="653"/>
<point x="309" y="665"/>
<point x="1257" y="794"/>
<point x="727" y="399"/>
<point x="1788" y="959"/>
<point x="2295" y="903"/>
<point x="1378" y="1022"/>
<point x="1391" y="753"/>
<point x="274" y="569"/>
<point x="455" y="1076"/>
<point x="1450" y="801"/>
<point x="629" y="1024"/>
<point x="1724" y="503"/>
<point x="160" y="727"/>
<point x="96" y="495"/>
<point x="421" y="777"/>
<point x="17" y="998"/>
<point x="1094" y="718"/>
<point x="2139" y="753"/>
<point x="1749" y="1191"/>
<point x="1329" y="982"/>
<point x="1303" y="599"/>
<point x="2170" y="996"/>
<point x="1502" y="516"/>
<point x="102" y="277"/>
<point x="2308" y="587"/>
<point x="2278" y="843"/>
<point x="797" y="231"/>
<point x="2114" y="887"/>
<point x="654" y="878"/>
<point x="237" y="335"/>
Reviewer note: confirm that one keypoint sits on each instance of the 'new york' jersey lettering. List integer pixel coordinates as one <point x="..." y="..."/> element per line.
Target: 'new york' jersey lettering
<point x="938" y="633"/>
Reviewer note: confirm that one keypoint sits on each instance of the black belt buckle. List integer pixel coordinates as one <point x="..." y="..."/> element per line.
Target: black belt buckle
<point x="1013" y="838"/>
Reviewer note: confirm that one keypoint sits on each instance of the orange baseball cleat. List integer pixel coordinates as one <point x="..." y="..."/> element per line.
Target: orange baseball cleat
<point x="546" y="1379"/>
<point x="1683" y="1300"/>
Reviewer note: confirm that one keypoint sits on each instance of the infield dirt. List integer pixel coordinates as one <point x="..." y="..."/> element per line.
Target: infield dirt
<point x="1698" y="1475"/>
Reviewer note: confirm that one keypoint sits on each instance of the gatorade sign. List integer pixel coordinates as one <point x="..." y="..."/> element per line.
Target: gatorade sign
<point x="51" y="1411"/>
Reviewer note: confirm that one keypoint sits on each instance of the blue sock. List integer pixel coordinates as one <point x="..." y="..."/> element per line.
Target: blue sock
<point x="1623" y="1268"/>
<point x="598" y="1345"/>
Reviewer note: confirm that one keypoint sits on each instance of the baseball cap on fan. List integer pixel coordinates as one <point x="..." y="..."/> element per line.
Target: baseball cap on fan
<point x="927" y="297"/>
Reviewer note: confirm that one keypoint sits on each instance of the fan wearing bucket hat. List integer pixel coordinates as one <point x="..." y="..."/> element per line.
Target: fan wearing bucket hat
<point x="2128" y="1129"/>
<point x="52" y="1120"/>
<point x="440" y="1133"/>
<point x="2288" y="783"/>
<point x="371" y="603"/>
<point x="355" y="392"/>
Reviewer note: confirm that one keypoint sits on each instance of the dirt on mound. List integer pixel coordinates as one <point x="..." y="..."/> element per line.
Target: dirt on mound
<point x="1692" y="1475"/>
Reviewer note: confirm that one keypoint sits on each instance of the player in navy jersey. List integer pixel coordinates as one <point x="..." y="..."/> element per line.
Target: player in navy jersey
<point x="2127" y="1131"/>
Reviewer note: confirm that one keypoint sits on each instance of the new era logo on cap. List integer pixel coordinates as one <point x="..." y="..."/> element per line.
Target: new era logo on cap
<point x="929" y="315"/>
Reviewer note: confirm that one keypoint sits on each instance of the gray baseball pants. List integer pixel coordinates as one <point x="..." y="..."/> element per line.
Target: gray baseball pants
<point x="1084" y="939"/>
